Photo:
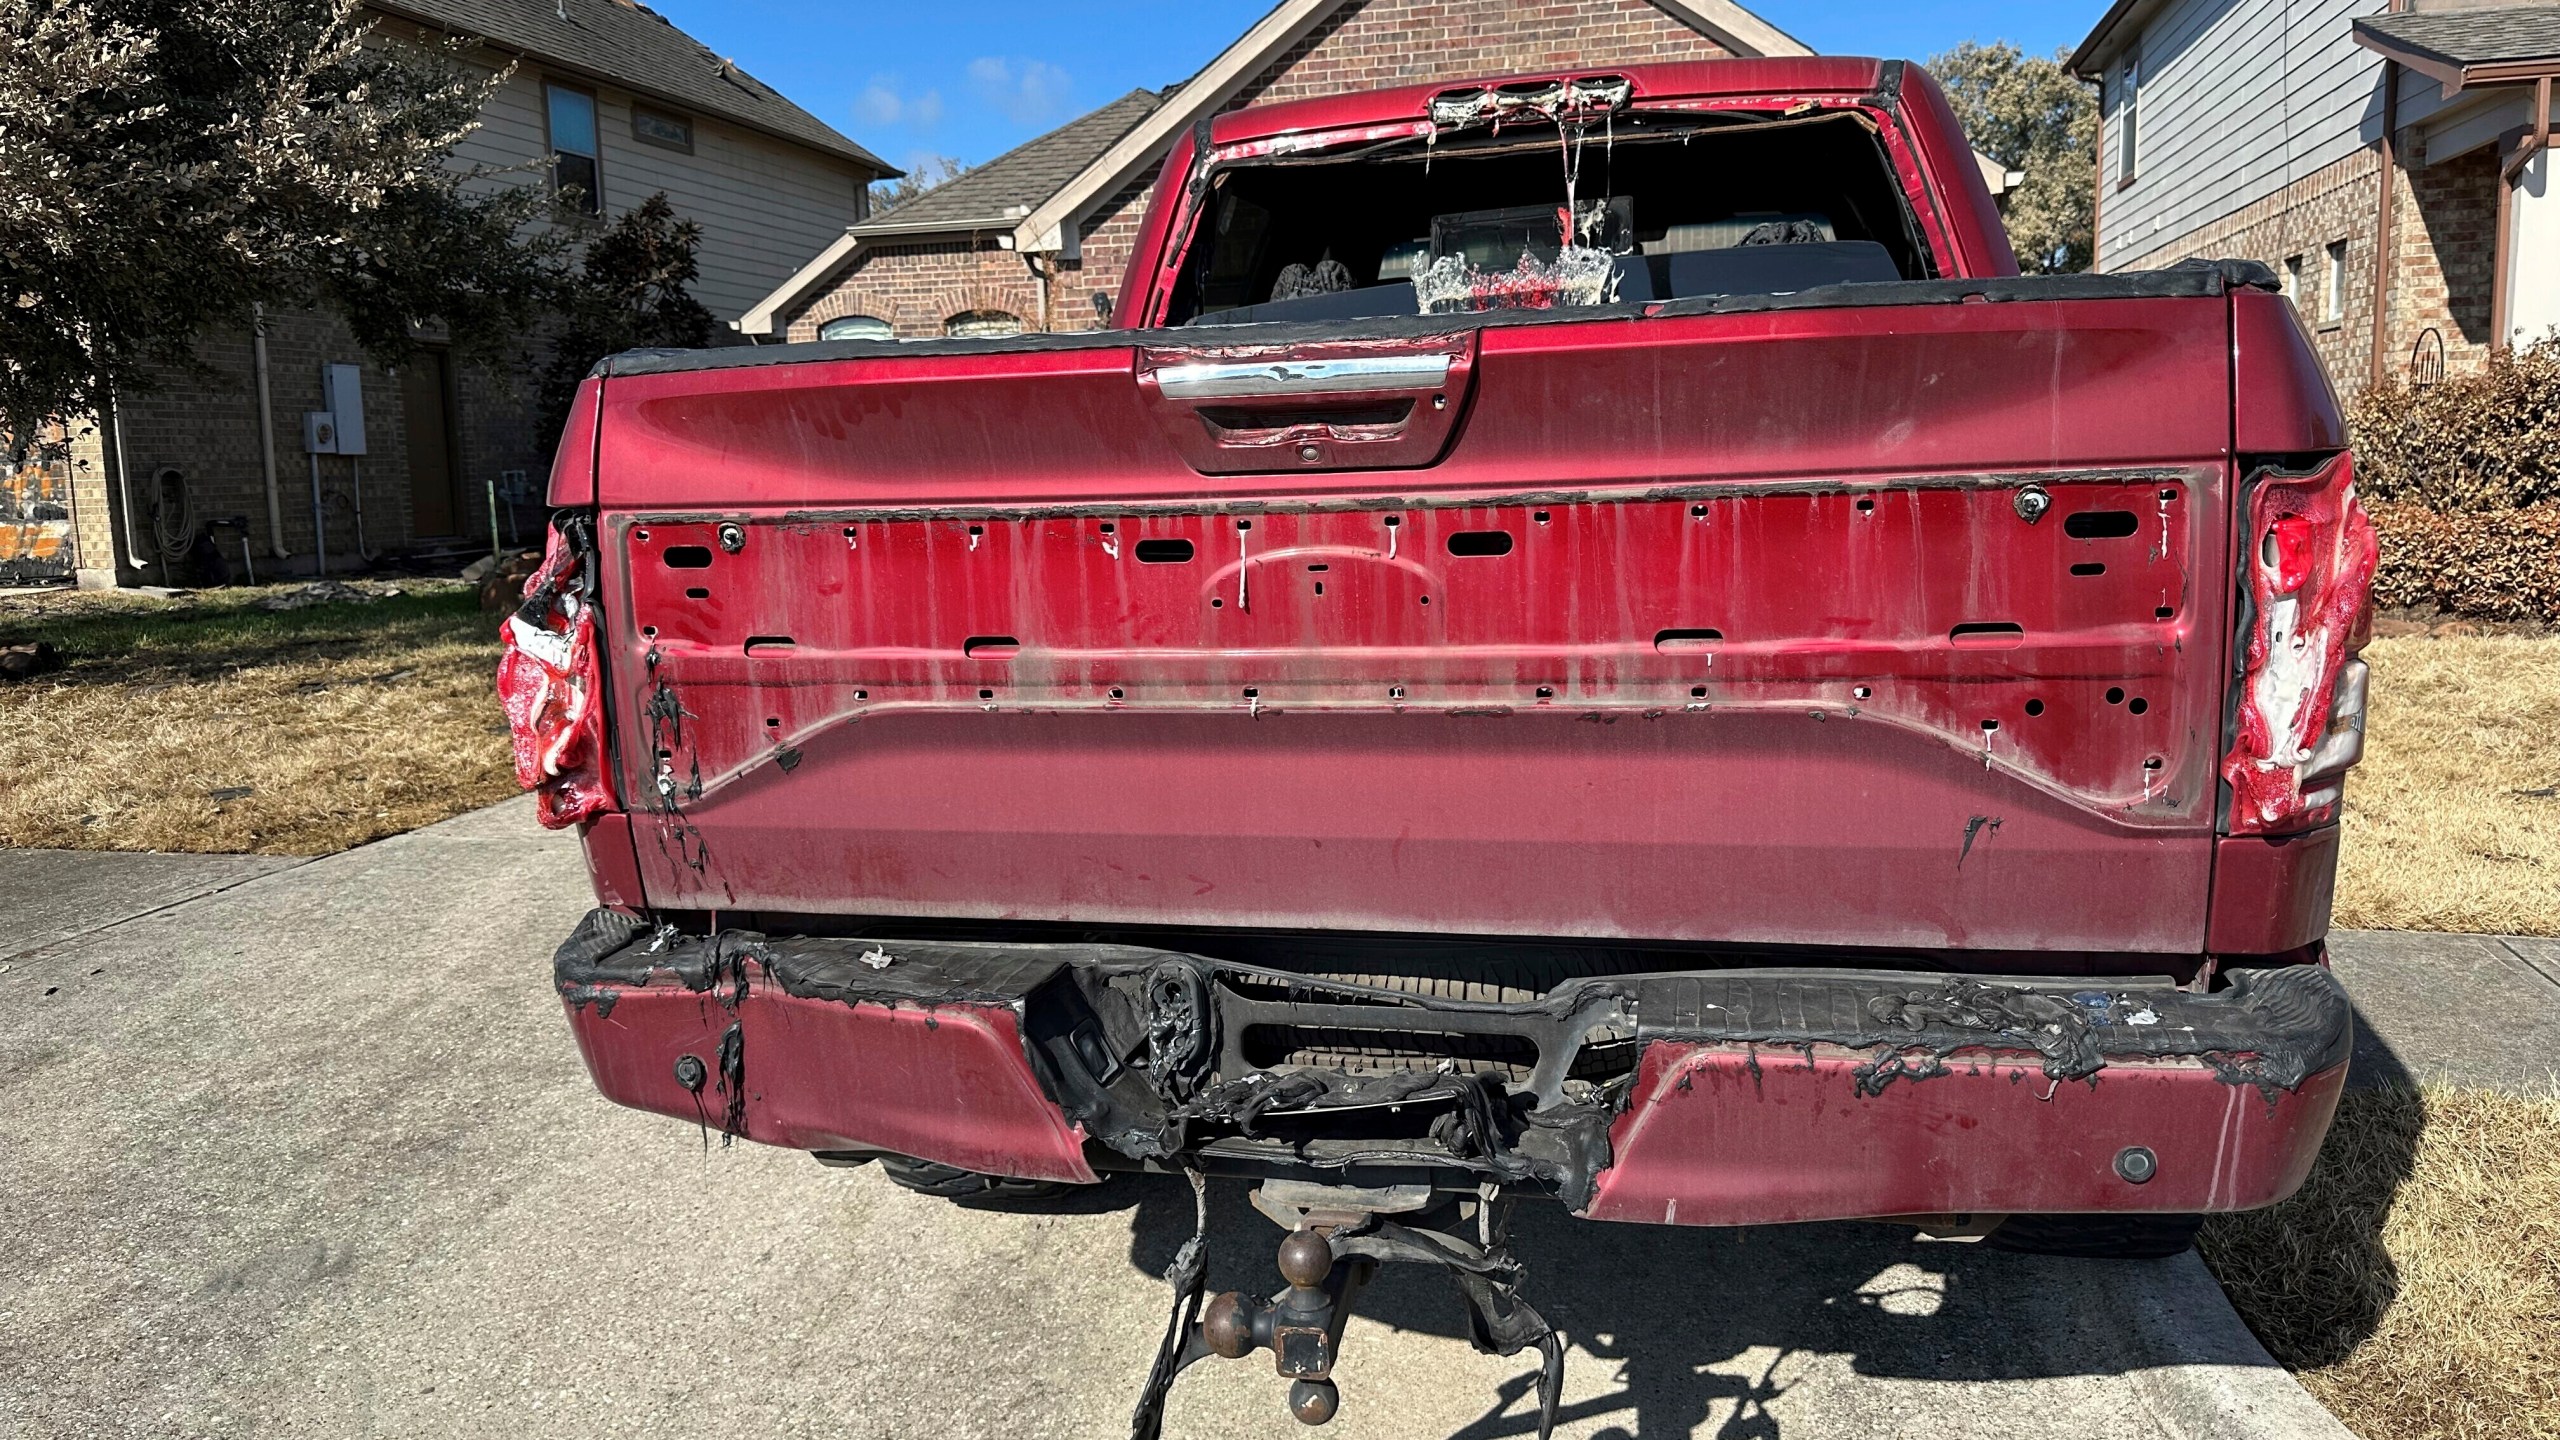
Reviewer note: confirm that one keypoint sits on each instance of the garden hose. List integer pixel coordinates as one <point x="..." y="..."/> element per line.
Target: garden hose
<point x="173" y="515"/>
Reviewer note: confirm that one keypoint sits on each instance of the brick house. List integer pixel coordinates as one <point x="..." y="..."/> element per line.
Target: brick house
<point x="2387" y="157"/>
<point x="1036" y="239"/>
<point x="608" y="100"/>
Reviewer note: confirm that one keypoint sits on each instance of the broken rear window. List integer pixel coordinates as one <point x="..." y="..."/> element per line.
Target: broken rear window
<point x="1602" y="205"/>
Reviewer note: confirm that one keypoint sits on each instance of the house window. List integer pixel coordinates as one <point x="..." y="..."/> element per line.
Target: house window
<point x="2333" y="305"/>
<point x="659" y="128"/>
<point x="2128" y="103"/>
<point x="2293" y="280"/>
<point x="857" y="327"/>
<point x="572" y="117"/>
<point x="972" y="323"/>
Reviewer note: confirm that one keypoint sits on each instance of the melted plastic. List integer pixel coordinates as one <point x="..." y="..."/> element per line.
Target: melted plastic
<point x="2301" y="639"/>
<point x="549" y="683"/>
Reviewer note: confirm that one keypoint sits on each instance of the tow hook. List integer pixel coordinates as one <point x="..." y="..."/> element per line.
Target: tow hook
<point x="1337" y="1238"/>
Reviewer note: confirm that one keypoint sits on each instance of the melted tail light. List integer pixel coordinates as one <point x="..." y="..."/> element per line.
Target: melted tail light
<point x="2299" y="714"/>
<point x="2285" y="552"/>
<point x="552" y="687"/>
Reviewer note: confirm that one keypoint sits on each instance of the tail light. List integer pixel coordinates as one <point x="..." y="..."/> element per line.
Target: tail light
<point x="2299" y="714"/>
<point x="552" y="686"/>
<point x="2285" y="551"/>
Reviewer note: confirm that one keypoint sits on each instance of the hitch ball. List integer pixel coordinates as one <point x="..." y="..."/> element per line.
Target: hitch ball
<point x="1227" y="1326"/>
<point x="1306" y="1258"/>
<point x="1314" y="1401"/>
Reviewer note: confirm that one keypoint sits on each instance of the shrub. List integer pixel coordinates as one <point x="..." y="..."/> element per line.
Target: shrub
<point x="2498" y="565"/>
<point x="2489" y="440"/>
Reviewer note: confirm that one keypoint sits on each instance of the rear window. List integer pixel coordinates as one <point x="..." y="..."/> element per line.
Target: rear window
<point x="1554" y="205"/>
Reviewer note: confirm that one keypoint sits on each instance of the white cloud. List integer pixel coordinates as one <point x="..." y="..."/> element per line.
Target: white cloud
<point x="882" y="104"/>
<point x="1027" y="92"/>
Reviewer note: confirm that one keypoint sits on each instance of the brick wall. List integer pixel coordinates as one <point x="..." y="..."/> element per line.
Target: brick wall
<point x="1371" y="44"/>
<point x="204" y="425"/>
<point x="2445" y="224"/>
<point x="94" y="547"/>
<point x="1365" y="45"/>
<point x="1110" y="233"/>
<point x="2301" y="221"/>
<point x="918" y="288"/>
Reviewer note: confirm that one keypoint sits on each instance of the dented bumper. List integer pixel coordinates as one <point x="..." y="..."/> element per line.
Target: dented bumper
<point x="1716" y="1097"/>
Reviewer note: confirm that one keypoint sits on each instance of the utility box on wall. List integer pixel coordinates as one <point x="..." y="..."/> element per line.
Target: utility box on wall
<point x="342" y="387"/>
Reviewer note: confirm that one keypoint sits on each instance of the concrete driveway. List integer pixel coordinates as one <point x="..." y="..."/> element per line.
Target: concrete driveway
<point x="304" y="1149"/>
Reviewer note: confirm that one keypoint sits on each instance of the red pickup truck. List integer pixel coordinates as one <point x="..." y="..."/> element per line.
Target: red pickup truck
<point x="1588" y="639"/>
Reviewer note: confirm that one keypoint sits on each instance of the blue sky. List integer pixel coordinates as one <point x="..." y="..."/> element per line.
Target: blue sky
<point x="972" y="78"/>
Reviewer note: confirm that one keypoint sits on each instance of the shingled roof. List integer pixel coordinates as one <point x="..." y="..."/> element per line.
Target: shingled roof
<point x="2471" y="37"/>
<point x="1008" y="187"/>
<point x="630" y="44"/>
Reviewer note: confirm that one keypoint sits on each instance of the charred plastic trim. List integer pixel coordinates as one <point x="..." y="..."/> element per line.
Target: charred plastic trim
<point x="1888" y="91"/>
<point x="1152" y="1053"/>
<point x="2271" y="1028"/>
<point x="2189" y="279"/>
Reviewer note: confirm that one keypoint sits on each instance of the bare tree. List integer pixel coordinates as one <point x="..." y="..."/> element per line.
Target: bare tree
<point x="921" y="176"/>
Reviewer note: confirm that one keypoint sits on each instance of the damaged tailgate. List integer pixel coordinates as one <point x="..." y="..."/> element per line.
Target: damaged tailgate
<point x="1887" y="619"/>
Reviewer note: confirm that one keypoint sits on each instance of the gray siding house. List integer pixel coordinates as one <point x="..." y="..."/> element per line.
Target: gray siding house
<point x="2386" y="158"/>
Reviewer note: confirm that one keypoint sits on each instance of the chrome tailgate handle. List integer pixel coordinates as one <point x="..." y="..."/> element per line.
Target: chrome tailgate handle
<point x="1350" y="404"/>
<point x="1363" y="374"/>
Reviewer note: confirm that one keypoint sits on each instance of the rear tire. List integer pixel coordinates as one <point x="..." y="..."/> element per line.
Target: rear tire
<point x="967" y="1186"/>
<point x="2098" y="1237"/>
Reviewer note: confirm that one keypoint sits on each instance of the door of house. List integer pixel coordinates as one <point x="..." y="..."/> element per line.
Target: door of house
<point x="426" y="404"/>
<point x="2533" y="254"/>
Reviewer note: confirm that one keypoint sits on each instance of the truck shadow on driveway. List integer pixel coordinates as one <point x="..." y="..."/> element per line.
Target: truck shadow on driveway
<point x="1695" y="1323"/>
<point x="1701" y="1331"/>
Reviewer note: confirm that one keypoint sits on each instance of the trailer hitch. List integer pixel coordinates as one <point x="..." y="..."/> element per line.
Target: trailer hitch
<point x="1337" y="1238"/>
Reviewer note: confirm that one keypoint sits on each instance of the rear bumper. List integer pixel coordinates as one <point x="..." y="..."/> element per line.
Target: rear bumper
<point x="1711" y="1097"/>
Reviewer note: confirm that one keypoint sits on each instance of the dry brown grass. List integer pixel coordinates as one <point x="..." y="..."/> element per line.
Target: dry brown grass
<point x="2414" y="1284"/>
<point x="342" y="723"/>
<point x="2443" y="830"/>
